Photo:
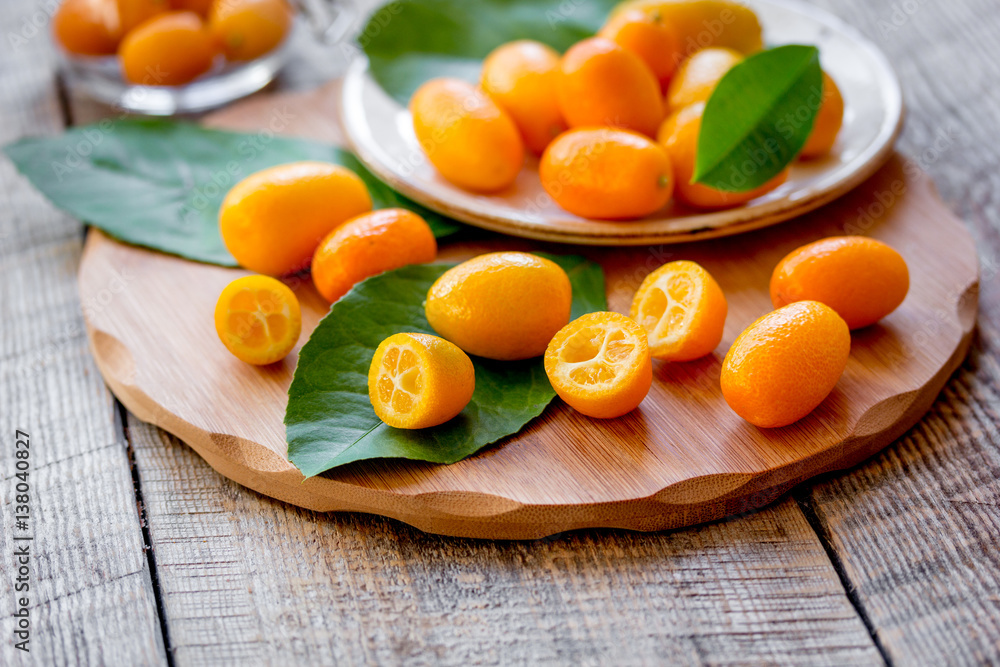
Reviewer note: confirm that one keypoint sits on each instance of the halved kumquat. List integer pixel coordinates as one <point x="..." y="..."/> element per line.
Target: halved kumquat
<point x="258" y="319"/>
<point x="600" y="365"/>
<point x="417" y="380"/>
<point x="682" y="309"/>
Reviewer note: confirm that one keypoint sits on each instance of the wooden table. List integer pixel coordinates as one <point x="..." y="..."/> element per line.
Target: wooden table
<point x="144" y="555"/>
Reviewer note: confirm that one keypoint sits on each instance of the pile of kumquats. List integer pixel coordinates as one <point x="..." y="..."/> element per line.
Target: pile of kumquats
<point x="615" y="120"/>
<point x="171" y="42"/>
<point x="510" y="306"/>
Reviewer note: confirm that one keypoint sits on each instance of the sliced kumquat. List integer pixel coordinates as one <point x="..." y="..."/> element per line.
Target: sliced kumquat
<point x="682" y="309"/>
<point x="417" y="380"/>
<point x="258" y="319"/>
<point x="600" y="364"/>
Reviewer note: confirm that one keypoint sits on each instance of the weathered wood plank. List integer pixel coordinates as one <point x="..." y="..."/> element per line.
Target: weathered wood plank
<point x="916" y="529"/>
<point x="91" y="599"/>
<point x="247" y="578"/>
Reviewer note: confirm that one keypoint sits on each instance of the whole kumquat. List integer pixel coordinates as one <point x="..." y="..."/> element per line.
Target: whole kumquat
<point x="247" y="29"/>
<point x="861" y="278"/>
<point x="784" y="364"/>
<point x="602" y="84"/>
<point x="607" y="173"/>
<point x="469" y="139"/>
<point x="829" y="119"/>
<point x="133" y="13"/>
<point x="87" y="27"/>
<point x="698" y="76"/>
<point x="170" y="49"/>
<point x="701" y="24"/>
<point x="521" y="77"/>
<point x="646" y="35"/>
<point x="200" y="7"/>
<point x="368" y="245"/>
<point x="679" y="135"/>
<point x="273" y="220"/>
<point x="502" y="305"/>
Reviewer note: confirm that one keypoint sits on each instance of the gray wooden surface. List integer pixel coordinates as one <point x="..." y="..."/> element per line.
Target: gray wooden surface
<point x="144" y="555"/>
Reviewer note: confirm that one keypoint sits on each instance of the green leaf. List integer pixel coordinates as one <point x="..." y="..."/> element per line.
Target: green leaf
<point x="159" y="183"/>
<point x="759" y="118"/>
<point x="411" y="41"/>
<point x="329" y="419"/>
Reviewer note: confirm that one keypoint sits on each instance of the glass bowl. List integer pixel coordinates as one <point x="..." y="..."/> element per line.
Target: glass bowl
<point x="100" y="77"/>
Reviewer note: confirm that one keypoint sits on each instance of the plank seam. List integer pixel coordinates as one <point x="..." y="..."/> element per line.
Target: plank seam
<point x="838" y="566"/>
<point x="62" y="95"/>
<point x="121" y="425"/>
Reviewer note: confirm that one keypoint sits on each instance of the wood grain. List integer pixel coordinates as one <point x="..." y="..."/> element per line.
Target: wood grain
<point x="91" y="598"/>
<point x="684" y="457"/>
<point x="252" y="580"/>
<point x="915" y="530"/>
<point x="924" y="605"/>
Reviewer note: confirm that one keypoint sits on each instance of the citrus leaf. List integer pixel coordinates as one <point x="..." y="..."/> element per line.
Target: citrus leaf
<point x="329" y="419"/>
<point x="758" y="118"/>
<point x="411" y="41"/>
<point x="159" y="183"/>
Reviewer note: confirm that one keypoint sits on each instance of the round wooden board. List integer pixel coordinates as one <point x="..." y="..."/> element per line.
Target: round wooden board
<point x="682" y="458"/>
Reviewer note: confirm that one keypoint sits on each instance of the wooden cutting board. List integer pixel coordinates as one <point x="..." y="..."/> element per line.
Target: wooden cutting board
<point x="682" y="458"/>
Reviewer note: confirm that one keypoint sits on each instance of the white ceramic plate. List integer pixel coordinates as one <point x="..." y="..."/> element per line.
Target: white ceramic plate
<point x="382" y="135"/>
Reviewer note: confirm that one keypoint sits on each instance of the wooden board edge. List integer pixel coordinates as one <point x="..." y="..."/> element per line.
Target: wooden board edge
<point x="486" y="516"/>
